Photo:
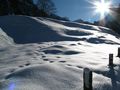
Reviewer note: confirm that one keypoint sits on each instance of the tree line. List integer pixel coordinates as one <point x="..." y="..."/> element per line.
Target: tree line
<point x="114" y="23"/>
<point x="43" y="8"/>
<point x="112" y="20"/>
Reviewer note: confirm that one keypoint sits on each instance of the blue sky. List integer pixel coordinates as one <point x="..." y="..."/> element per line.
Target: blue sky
<point x="77" y="9"/>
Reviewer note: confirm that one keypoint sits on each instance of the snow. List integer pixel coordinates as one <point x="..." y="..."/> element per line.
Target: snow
<point x="4" y="39"/>
<point x="46" y="54"/>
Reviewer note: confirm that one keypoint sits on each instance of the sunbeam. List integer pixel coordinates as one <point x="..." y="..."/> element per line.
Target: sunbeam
<point x="102" y="7"/>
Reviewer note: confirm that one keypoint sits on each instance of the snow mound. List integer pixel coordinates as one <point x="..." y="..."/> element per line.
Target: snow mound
<point x="51" y="54"/>
<point x="49" y="77"/>
<point x="5" y="40"/>
<point x="24" y="29"/>
<point x="44" y="77"/>
<point x="59" y="50"/>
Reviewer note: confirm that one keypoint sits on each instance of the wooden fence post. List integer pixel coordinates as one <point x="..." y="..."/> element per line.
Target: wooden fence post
<point x="110" y="59"/>
<point x="118" y="52"/>
<point x="87" y="76"/>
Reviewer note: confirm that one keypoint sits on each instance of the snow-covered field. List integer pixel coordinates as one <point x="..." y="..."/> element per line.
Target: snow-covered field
<point x="47" y="54"/>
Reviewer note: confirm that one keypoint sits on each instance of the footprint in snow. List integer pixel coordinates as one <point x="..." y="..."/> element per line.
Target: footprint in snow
<point x="43" y="56"/>
<point x="58" y="57"/>
<point x="69" y="65"/>
<point x="21" y="66"/>
<point x="62" y="61"/>
<point x="45" y="60"/>
<point x="72" y="44"/>
<point x="51" y="61"/>
<point x="79" y="44"/>
<point x="57" y="46"/>
<point x="61" y="52"/>
<point x="12" y="70"/>
<point x="27" y="64"/>
<point x="71" y="52"/>
<point x="53" y="51"/>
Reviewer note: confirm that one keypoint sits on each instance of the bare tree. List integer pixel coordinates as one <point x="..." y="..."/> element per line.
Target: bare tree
<point x="46" y="6"/>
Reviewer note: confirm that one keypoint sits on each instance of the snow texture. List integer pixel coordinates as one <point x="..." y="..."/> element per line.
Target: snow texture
<point x="4" y="39"/>
<point x="46" y="54"/>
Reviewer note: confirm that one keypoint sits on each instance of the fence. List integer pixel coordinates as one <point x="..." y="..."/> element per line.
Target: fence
<point x="88" y="76"/>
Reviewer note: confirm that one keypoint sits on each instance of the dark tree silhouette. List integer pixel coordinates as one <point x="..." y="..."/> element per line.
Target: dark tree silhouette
<point x="17" y="7"/>
<point x="43" y="8"/>
<point x="46" y="7"/>
<point x="4" y="7"/>
<point x="114" y="22"/>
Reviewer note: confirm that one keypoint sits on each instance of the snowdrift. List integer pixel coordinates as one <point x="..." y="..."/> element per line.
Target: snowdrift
<point x="5" y="40"/>
<point x="51" y="54"/>
<point x="24" y="29"/>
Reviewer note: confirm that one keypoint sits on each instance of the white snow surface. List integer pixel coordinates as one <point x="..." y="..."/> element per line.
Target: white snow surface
<point x="46" y="54"/>
<point x="4" y="39"/>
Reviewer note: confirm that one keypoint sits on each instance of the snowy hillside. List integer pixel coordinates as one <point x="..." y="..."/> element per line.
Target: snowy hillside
<point x="51" y="54"/>
<point x="4" y="39"/>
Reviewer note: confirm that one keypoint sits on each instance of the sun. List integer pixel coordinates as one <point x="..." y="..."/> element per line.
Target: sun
<point x="102" y="7"/>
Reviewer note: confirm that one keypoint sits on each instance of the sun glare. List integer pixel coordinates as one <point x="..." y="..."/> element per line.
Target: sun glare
<point x="102" y="7"/>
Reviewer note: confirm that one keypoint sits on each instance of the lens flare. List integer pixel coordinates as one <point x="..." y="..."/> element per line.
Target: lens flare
<point x="102" y="7"/>
<point x="12" y="86"/>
